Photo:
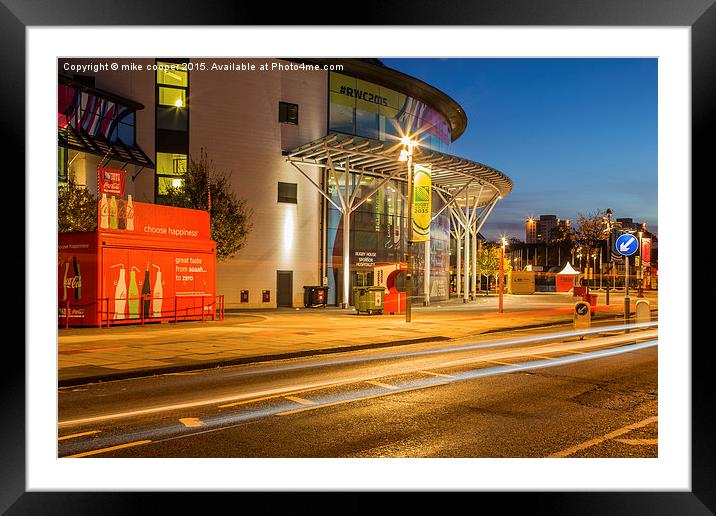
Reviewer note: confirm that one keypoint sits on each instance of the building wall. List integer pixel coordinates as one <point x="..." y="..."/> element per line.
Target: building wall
<point x="236" y="122"/>
<point x="137" y="86"/>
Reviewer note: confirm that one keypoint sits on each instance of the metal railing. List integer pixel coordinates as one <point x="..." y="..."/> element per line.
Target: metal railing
<point x="183" y="308"/>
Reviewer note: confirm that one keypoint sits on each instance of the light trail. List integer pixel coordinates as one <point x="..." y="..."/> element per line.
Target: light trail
<point x="231" y="420"/>
<point x="269" y="369"/>
<point x="347" y="361"/>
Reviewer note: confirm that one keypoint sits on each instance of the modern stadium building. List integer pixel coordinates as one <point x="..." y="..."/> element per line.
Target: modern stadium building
<point x="313" y="145"/>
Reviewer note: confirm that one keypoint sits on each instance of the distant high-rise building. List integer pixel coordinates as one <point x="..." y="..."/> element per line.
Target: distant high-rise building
<point x="628" y="223"/>
<point x="531" y="231"/>
<point x="543" y="230"/>
<point x="547" y="225"/>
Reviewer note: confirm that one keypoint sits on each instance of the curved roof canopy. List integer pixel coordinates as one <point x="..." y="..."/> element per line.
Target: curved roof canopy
<point x="450" y="174"/>
<point x="373" y="70"/>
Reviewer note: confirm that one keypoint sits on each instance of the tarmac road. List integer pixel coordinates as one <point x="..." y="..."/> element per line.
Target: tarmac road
<point x="518" y="394"/>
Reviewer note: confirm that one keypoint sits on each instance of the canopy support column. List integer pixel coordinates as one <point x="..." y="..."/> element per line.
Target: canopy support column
<point x="473" y="285"/>
<point x="427" y="273"/>
<point x="346" y="243"/>
<point x="466" y="277"/>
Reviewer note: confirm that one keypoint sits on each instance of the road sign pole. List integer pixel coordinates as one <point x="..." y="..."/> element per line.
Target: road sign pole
<point x="627" y="309"/>
<point x="625" y="246"/>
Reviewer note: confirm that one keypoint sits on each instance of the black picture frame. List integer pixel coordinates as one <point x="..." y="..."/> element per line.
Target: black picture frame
<point x="699" y="15"/>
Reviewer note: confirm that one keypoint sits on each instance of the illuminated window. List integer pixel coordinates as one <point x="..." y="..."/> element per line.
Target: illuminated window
<point x="172" y="74"/>
<point x="172" y="97"/>
<point x="169" y="166"/>
<point x="173" y="164"/>
<point x="172" y="125"/>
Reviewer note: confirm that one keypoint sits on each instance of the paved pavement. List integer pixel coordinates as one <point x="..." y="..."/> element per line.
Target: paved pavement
<point x="100" y="354"/>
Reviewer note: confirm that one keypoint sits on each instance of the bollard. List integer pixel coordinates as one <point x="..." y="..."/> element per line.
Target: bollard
<point x="643" y="311"/>
<point x="582" y="316"/>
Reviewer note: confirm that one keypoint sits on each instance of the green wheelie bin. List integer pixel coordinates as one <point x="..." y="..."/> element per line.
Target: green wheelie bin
<point x="368" y="299"/>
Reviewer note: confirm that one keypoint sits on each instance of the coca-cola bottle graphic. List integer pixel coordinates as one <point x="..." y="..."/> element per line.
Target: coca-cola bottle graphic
<point x="77" y="280"/>
<point x="157" y="293"/>
<point x="120" y="293"/>
<point x="121" y="221"/>
<point x="64" y="281"/>
<point x="133" y="299"/>
<point x="146" y="292"/>
<point x="113" y="209"/>
<point x="104" y="212"/>
<point x="130" y="214"/>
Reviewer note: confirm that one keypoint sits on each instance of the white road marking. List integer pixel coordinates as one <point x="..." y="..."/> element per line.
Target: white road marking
<point x="191" y="422"/>
<point x="104" y="450"/>
<point x="381" y="384"/>
<point x="300" y="401"/>
<point x="599" y="440"/>
<point x="437" y="374"/>
<point x="639" y="442"/>
<point x="72" y="436"/>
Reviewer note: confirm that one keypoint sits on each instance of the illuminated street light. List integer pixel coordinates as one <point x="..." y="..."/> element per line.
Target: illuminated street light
<point x="610" y="265"/>
<point x="406" y="154"/>
<point x="502" y="273"/>
<point x="640" y="270"/>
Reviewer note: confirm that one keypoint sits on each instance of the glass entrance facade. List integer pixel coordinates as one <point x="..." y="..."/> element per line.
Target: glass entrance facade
<point x="379" y="226"/>
<point x="379" y="236"/>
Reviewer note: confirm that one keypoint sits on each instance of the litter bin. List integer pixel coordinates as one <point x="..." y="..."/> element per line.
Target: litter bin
<point x="591" y="299"/>
<point x="368" y="299"/>
<point x="314" y="296"/>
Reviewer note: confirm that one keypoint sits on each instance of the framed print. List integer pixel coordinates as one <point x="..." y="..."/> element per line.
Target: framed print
<point x="359" y="113"/>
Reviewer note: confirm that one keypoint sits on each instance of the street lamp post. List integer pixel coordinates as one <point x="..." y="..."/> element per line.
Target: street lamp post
<point x="407" y="155"/>
<point x="594" y="268"/>
<point x="609" y="249"/>
<point x="640" y="270"/>
<point x="502" y="273"/>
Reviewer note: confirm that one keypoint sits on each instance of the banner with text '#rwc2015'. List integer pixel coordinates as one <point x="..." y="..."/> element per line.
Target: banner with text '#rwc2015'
<point x="422" y="202"/>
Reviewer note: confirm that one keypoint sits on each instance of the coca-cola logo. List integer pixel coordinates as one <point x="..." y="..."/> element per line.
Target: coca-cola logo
<point x="74" y="282"/>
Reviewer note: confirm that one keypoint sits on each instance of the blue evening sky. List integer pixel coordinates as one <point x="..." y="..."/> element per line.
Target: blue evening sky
<point x="574" y="135"/>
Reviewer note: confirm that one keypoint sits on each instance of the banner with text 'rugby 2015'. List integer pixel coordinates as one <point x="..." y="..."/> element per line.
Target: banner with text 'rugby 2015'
<point x="422" y="197"/>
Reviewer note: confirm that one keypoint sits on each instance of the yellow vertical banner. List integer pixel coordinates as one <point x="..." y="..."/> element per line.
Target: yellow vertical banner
<point x="422" y="202"/>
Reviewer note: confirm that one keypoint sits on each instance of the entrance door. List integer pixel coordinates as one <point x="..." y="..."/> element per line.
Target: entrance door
<point x="284" y="288"/>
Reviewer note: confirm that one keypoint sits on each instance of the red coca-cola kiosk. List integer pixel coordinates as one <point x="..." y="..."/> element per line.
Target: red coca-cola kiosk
<point x="146" y="262"/>
<point x="386" y="275"/>
<point x="564" y="280"/>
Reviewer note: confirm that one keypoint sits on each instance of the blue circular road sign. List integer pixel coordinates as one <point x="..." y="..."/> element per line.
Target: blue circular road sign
<point x="627" y="244"/>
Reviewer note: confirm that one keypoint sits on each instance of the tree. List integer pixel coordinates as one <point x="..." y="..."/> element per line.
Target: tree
<point x="590" y="232"/>
<point x="76" y="207"/>
<point x="564" y="236"/>
<point x="488" y="260"/>
<point x="230" y="216"/>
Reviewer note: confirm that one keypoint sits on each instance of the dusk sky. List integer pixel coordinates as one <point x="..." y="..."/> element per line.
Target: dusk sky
<point x="574" y="135"/>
